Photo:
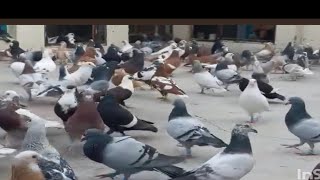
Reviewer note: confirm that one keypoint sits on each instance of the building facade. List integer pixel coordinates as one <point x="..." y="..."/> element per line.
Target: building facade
<point x="34" y="36"/>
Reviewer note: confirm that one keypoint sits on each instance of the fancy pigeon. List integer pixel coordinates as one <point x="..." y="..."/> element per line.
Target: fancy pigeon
<point x="233" y="163"/>
<point x="300" y="123"/>
<point x="188" y="130"/>
<point x="125" y="155"/>
<point x="226" y="75"/>
<point x="252" y="101"/>
<point x="30" y="165"/>
<point x="204" y="79"/>
<point x="119" y="119"/>
<point x="36" y="140"/>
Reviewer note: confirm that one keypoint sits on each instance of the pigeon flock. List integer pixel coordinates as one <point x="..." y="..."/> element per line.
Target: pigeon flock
<point x="91" y="93"/>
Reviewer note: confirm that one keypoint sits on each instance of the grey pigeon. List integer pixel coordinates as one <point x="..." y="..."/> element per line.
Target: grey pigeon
<point x="36" y="140"/>
<point x="97" y="87"/>
<point x="301" y="124"/>
<point x="233" y="163"/>
<point x="126" y="155"/>
<point x="226" y="75"/>
<point x="188" y="130"/>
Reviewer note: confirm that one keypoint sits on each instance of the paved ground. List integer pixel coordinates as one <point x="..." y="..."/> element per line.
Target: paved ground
<point x="272" y="160"/>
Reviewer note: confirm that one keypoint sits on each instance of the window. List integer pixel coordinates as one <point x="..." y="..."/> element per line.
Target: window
<point x="244" y="32"/>
<point x="3" y="28"/>
<point x="82" y="32"/>
<point x="136" y="32"/>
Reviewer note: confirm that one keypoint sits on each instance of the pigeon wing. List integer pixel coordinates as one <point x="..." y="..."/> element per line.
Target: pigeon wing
<point x="308" y="129"/>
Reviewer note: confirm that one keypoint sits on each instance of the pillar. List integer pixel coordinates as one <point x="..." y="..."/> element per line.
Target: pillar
<point x="182" y="31"/>
<point x="31" y="36"/>
<point x="116" y="34"/>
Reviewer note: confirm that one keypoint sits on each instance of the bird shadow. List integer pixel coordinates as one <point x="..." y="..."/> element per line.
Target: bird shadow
<point x="276" y="102"/>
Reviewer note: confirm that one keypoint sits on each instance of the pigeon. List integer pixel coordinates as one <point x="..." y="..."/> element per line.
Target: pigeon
<point x="252" y="101"/>
<point x="289" y="51"/>
<point x="135" y="64"/>
<point x="204" y="79"/>
<point x="295" y="71"/>
<point x="301" y="124"/>
<point x="11" y="95"/>
<point x="124" y="91"/>
<point x="266" y="89"/>
<point x="84" y="117"/>
<point x="36" y="140"/>
<point x="103" y="72"/>
<point x="112" y="54"/>
<point x="247" y="58"/>
<point x="226" y="75"/>
<point x="78" y="52"/>
<point x="30" y="165"/>
<point x="62" y="53"/>
<point x="67" y="103"/>
<point x="15" y="49"/>
<point x="126" y="46"/>
<point x="232" y="163"/>
<point x="114" y="153"/>
<point x="188" y="130"/>
<point x="167" y="86"/>
<point x="46" y="64"/>
<point x="217" y="45"/>
<point x="266" y="53"/>
<point x="258" y="72"/>
<point x="81" y="76"/>
<point x="100" y="86"/>
<point x="119" y="119"/>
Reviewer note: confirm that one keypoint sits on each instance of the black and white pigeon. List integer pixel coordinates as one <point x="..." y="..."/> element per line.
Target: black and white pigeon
<point x="36" y="140"/>
<point x="124" y="91"/>
<point x="67" y="104"/>
<point x="188" y="130"/>
<point x="300" y="123"/>
<point x="226" y="75"/>
<point x="266" y="89"/>
<point x="32" y="165"/>
<point x="119" y="119"/>
<point x="126" y="155"/>
<point x="233" y="163"/>
<point x="258" y="73"/>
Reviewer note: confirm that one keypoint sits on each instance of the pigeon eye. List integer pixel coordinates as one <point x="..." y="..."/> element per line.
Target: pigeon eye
<point x="34" y="156"/>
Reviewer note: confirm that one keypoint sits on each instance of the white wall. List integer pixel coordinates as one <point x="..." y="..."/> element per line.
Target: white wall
<point x="30" y="36"/>
<point x="285" y="34"/>
<point x="116" y="34"/>
<point x="311" y="35"/>
<point x="182" y="31"/>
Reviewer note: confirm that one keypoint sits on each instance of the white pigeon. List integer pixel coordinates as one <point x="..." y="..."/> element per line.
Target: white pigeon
<point x="169" y="49"/>
<point x="46" y="64"/>
<point x="206" y="80"/>
<point x="126" y="46"/>
<point x="296" y="71"/>
<point x="82" y="75"/>
<point x="252" y="101"/>
<point x="232" y="163"/>
<point x="17" y="68"/>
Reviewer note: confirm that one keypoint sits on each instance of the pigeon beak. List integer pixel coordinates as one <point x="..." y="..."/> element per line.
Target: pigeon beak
<point x="288" y="102"/>
<point x="131" y="78"/>
<point x="83" y="138"/>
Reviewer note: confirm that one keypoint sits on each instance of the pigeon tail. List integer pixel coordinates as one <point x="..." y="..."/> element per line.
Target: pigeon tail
<point x="144" y="126"/>
<point x="171" y="171"/>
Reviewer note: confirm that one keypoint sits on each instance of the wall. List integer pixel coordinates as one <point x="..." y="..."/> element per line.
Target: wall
<point x="182" y="31"/>
<point x="30" y="36"/>
<point x="311" y="35"/>
<point x="116" y="34"/>
<point x="285" y="34"/>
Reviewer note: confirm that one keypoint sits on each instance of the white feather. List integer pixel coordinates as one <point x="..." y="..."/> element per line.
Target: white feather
<point x="206" y="80"/>
<point x="252" y="101"/>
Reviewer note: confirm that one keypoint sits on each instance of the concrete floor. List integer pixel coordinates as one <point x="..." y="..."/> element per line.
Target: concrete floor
<point x="221" y="112"/>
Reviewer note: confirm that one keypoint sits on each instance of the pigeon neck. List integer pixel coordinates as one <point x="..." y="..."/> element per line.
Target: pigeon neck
<point x="179" y="112"/>
<point x="94" y="147"/>
<point x="240" y="143"/>
<point x="296" y="114"/>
